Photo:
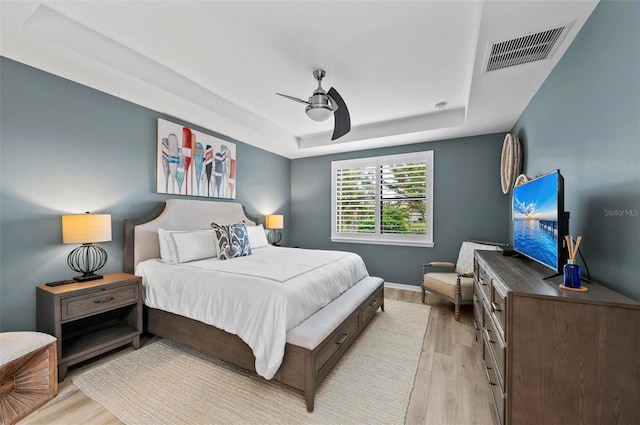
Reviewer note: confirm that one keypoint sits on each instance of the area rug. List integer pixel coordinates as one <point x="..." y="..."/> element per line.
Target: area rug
<point x="166" y="383"/>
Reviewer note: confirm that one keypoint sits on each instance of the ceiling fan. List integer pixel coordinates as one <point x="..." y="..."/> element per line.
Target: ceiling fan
<point x="322" y="104"/>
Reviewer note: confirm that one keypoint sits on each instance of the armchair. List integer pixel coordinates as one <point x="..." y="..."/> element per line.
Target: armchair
<point x="456" y="283"/>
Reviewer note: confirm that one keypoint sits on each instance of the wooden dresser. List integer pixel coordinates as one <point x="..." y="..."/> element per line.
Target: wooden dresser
<point x="553" y="356"/>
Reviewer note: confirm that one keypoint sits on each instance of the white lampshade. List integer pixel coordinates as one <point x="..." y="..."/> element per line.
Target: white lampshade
<point x="86" y="228"/>
<point x="319" y="113"/>
<point x="274" y="221"/>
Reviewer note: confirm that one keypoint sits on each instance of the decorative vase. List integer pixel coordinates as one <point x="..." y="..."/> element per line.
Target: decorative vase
<point x="572" y="274"/>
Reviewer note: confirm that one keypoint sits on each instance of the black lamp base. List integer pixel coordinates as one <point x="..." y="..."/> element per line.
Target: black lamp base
<point x="88" y="278"/>
<point x="86" y="259"/>
<point x="274" y="237"/>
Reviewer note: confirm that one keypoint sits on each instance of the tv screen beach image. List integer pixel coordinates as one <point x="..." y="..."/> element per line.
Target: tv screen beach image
<point x="535" y="220"/>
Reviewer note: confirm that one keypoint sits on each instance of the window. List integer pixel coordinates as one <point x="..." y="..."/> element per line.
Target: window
<point x="384" y="200"/>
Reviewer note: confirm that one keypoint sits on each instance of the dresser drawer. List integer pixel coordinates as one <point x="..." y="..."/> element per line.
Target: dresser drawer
<point x="498" y="305"/>
<point x="477" y="289"/>
<point x="484" y="283"/>
<point x="95" y="302"/>
<point x="499" y="400"/>
<point x="477" y="312"/>
<point x="496" y="388"/>
<point x="497" y="347"/>
<point x="340" y="337"/>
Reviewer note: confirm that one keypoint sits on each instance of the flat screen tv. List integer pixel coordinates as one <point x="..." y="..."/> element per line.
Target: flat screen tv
<point x="539" y="220"/>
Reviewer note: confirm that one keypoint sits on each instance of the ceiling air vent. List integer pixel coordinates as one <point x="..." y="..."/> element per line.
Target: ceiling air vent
<point x="527" y="48"/>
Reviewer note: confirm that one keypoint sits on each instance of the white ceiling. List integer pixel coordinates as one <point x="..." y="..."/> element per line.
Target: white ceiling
<point x="218" y="64"/>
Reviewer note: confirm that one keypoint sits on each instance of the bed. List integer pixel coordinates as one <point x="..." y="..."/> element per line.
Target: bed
<point x="312" y="344"/>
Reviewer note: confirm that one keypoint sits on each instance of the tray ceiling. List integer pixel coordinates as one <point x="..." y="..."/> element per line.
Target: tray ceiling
<point x="218" y="64"/>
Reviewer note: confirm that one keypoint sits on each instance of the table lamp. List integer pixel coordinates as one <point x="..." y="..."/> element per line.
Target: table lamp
<point x="86" y="229"/>
<point x="274" y="222"/>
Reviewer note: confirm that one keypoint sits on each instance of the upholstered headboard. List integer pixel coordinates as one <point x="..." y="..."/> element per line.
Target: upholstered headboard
<point x="141" y="234"/>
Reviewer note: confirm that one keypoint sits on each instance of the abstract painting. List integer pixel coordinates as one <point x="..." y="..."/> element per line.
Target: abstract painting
<point x="193" y="163"/>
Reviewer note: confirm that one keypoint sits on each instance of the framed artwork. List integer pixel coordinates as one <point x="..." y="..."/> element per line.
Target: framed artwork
<point x="193" y="163"/>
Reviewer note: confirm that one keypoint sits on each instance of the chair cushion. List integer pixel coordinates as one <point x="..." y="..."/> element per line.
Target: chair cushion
<point x="464" y="265"/>
<point x="14" y="345"/>
<point x="445" y="284"/>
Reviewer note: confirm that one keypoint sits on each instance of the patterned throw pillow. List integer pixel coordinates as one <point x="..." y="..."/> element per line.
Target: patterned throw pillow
<point x="232" y="240"/>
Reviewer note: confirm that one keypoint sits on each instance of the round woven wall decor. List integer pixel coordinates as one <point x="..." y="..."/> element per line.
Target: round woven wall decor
<point x="511" y="162"/>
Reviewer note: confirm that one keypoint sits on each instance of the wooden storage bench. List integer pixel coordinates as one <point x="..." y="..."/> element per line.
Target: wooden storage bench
<point x="28" y="373"/>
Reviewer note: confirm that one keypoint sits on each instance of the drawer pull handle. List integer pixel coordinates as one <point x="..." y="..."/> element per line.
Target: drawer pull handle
<point x="104" y="300"/>
<point x="343" y="339"/>
<point x="482" y="282"/>
<point x="495" y="307"/>
<point x="489" y="339"/>
<point x="488" y="376"/>
<point x="374" y="303"/>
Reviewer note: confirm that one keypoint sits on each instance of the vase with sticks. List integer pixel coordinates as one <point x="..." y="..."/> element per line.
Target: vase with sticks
<point x="572" y="271"/>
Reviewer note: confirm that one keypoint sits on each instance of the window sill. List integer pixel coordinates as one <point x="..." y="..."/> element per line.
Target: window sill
<point x="421" y="244"/>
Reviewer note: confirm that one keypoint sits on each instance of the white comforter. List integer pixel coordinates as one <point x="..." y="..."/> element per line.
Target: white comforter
<point x="259" y="297"/>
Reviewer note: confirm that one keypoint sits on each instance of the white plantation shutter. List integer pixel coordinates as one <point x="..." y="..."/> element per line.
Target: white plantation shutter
<point x="383" y="200"/>
<point x="356" y="199"/>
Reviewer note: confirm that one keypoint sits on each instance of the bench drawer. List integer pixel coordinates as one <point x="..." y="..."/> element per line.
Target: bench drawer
<point x="341" y="336"/>
<point x="372" y="305"/>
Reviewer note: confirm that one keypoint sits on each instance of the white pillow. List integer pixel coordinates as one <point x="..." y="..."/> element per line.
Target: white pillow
<point x="166" y="255"/>
<point x="177" y="246"/>
<point x="257" y="238"/>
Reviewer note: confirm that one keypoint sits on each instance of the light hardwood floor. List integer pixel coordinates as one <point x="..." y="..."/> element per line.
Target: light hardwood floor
<point x="450" y="386"/>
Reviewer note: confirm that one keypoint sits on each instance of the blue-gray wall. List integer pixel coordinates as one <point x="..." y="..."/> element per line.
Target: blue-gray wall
<point x="66" y="148"/>
<point x="585" y="120"/>
<point x="468" y="204"/>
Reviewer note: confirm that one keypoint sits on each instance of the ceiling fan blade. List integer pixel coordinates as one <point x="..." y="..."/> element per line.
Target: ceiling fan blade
<point x="293" y="98"/>
<point x="341" y="116"/>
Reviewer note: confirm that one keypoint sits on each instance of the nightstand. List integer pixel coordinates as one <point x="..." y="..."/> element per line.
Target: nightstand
<point x="91" y="318"/>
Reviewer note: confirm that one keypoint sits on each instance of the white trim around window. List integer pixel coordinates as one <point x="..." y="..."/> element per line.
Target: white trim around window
<point x="384" y="200"/>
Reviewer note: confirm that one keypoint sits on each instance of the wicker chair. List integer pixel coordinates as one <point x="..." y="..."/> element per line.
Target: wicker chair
<point x="455" y="282"/>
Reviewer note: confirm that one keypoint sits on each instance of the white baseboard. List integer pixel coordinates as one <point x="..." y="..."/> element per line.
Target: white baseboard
<point x="402" y="286"/>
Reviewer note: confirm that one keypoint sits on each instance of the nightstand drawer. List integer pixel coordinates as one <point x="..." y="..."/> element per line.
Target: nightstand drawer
<point x="94" y="302"/>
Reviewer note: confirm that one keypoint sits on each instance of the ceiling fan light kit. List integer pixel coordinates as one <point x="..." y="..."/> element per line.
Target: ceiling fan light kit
<point x="321" y="105"/>
<point x="319" y="113"/>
